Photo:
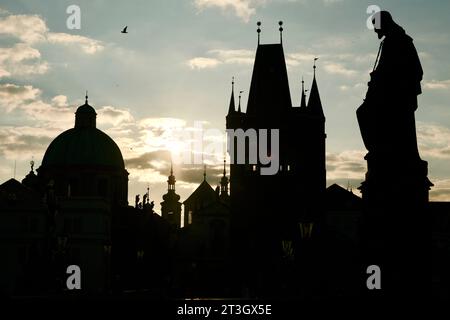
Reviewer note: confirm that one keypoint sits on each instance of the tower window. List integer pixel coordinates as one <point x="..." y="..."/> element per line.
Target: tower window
<point x="190" y="217"/>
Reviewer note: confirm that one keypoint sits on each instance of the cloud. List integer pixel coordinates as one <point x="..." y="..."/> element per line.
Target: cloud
<point x="31" y="29"/>
<point x="203" y="63"/>
<point x="27" y="28"/>
<point x="441" y="190"/>
<point x="351" y="87"/>
<point x="330" y="2"/>
<point x="3" y="11"/>
<point x="113" y="116"/>
<point x="346" y="165"/>
<point x="21" y="59"/>
<point x="243" y="9"/>
<point x="24" y="142"/>
<point x="13" y="96"/>
<point x="337" y="68"/>
<point x="433" y="140"/>
<point x="239" y="56"/>
<point x="27" y="100"/>
<point x="149" y="160"/>
<point x="222" y="56"/>
<point x="437" y="85"/>
<point x="88" y="45"/>
<point x="60" y="101"/>
<point x="294" y="59"/>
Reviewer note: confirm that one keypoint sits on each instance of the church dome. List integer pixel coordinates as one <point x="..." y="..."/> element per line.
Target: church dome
<point x="84" y="144"/>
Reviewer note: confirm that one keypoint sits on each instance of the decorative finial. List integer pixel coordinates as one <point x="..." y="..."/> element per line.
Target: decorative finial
<point x="239" y="106"/>
<point x="224" y="164"/>
<point x="314" y="65"/>
<point x="280" y="23"/>
<point x="204" y="172"/>
<point x="303" y="98"/>
<point x="32" y="165"/>
<point x="259" y="29"/>
<point x="86" y="101"/>
<point x="171" y="168"/>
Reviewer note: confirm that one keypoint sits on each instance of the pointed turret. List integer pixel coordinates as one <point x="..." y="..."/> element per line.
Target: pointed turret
<point x="232" y="108"/>
<point x="224" y="181"/>
<point x="314" y="103"/>
<point x="239" y="106"/>
<point x="303" y="99"/>
<point x="171" y="179"/>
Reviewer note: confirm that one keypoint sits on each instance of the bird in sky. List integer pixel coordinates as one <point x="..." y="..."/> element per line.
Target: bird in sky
<point x="124" y="30"/>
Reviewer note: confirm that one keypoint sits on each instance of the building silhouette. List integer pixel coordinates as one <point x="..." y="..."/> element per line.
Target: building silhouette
<point x="268" y="209"/>
<point x="254" y="236"/>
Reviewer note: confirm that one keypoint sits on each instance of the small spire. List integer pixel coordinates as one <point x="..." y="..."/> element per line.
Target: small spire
<point x="171" y="181"/>
<point x="224" y="181"/>
<point x="314" y="66"/>
<point x="204" y="172"/>
<point x="258" y="30"/>
<point x="232" y="108"/>
<point x="86" y="97"/>
<point x="314" y="103"/>
<point x="280" y="23"/>
<point x="239" y="106"/>
<point x="303" y="99"/>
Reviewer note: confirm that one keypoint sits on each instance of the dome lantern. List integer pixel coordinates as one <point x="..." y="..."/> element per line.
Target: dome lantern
<point x="85" y="116"/>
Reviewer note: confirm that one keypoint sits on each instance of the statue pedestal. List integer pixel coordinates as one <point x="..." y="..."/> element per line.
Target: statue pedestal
<point x="395" y="233"/>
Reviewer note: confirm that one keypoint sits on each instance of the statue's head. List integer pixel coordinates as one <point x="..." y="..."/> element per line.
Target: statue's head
<point x="383" y="23"/>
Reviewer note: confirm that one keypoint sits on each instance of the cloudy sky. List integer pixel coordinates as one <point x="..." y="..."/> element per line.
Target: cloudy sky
<point x="173" y="70"/>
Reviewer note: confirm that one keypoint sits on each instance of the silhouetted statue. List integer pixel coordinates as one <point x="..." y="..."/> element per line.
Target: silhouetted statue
<point x="386" y="118"/>
<point x="136" y="201"/>
<point x="395" y="190"/>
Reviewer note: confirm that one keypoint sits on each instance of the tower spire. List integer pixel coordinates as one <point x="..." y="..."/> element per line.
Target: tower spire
<point x="86" y="98"/>
<point x="224" y="181"/>
<point x="314" y="103"/>
<point x="258" y="30"/>
<point x="239" y="106"/>
<point x="314" y="66"/>
<point x="204" y="172"/>
<point x="303" y="99"/>
<point x="232" y="107"/>
<point x="280" y="23"/>
<point x="171" y="180"/>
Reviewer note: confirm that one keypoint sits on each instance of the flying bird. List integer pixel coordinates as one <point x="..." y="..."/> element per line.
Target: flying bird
<point x="124" y="30"/>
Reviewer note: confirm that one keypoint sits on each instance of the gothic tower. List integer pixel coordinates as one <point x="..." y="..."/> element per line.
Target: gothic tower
<point x="267" y="209"/>
<point x="171" y="207"/>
